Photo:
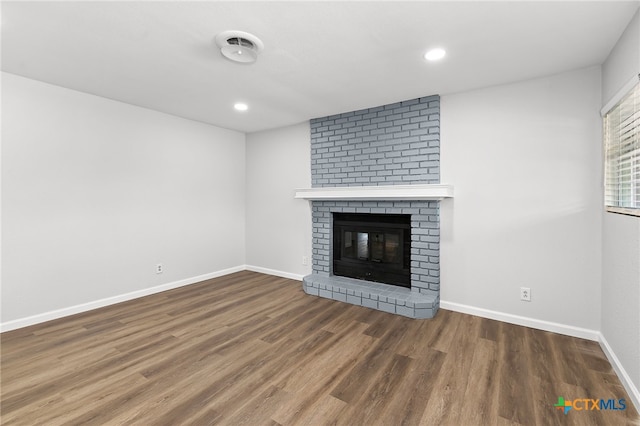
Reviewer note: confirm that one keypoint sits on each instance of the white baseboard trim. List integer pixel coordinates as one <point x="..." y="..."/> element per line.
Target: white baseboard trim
<point x="568" y="330"/>
<point x="626" y="381"/>
<point x="274" y="272"/>
<point x="72" y="310"/>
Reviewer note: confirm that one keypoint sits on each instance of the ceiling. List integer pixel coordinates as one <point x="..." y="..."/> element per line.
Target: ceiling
<point x="320" y="58"/>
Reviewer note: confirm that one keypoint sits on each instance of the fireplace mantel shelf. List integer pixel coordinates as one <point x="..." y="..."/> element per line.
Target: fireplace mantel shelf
<point x="377" y="193"/>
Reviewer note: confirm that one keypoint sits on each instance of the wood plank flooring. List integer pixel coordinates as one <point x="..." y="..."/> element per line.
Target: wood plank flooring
<point x="252" y="349"/>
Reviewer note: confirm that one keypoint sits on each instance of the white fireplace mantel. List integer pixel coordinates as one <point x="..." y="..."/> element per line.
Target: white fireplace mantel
<point x="377" y="193"/>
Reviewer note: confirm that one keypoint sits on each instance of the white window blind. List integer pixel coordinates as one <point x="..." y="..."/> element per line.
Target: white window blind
<point x="622" y="153"/>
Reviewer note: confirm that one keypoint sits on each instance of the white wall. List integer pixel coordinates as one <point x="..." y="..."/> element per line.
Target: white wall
<point x="621" y="291"/>
<point x="278" y="226"/>
<point x="621" y="234"/>
<point x="623" y="61"/>
<point x="525" y="162"/>
<point x="96" y="192"/>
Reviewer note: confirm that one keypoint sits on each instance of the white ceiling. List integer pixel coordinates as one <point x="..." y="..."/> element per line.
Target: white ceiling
<point x="320" y="58"/>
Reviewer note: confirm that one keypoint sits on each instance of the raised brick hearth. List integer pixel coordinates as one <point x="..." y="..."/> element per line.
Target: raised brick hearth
<point x="383" y="297"/>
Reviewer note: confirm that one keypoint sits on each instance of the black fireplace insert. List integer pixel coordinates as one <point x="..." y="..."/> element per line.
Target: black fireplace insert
<point x="373" y="247"/>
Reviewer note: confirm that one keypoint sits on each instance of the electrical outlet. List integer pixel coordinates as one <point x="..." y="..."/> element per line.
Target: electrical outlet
<point x="159" y="268"/>
<point x="305" y="260"/>
<point x="525" y="294"/>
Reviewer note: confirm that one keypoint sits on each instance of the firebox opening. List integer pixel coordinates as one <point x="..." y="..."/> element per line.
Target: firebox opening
<point x="373" y="247"/>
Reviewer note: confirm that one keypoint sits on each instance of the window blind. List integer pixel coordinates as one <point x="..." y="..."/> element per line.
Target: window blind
<point x="622" y="152"/>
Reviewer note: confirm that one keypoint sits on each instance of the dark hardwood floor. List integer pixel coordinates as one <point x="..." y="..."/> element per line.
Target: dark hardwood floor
<point x="254" y="349"/>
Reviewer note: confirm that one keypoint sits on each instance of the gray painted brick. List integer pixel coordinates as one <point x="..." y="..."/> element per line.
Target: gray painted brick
<point x="312" y="290"/>
<point x="370" y="303"/>
<point x="387" y="307"/>
<point x="405" y="311"/>
<point x="411" y="102"/>
<point x="374" y="131"/>
<point x="336" y="295"/>
<point x="325" y="293"/>
<point x="355" y="300"/>
<point x="424" y="313"/>
<point x="391" y="144"/>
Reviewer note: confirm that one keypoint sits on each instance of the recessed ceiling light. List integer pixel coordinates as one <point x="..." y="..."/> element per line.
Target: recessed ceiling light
<point x="239" y="106"/>
<point x="435" y="54"/>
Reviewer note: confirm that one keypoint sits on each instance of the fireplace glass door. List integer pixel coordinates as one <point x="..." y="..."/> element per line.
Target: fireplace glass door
<point x="379" y="247"/>
<point x="373" y="247"/>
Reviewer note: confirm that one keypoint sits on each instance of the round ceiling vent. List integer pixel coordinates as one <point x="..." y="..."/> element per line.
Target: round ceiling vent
<point x="239" y="46"/>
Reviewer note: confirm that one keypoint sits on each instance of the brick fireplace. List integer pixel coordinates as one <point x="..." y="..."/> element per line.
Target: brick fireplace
<point x="383" y="160"/>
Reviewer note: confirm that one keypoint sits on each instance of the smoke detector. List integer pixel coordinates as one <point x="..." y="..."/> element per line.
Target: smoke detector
<point x="239" y="46"/>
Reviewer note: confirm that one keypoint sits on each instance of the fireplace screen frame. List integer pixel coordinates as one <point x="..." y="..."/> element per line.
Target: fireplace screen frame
<point x="362" y="262"/>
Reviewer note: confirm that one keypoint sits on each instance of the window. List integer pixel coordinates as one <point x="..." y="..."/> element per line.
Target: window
<point x="621" y="127"/>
